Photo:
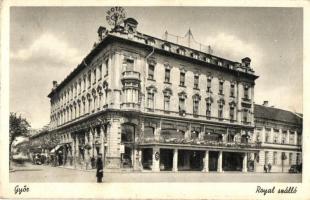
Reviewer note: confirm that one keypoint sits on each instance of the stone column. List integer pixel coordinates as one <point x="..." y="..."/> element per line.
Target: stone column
<point x="206" y="162"/>
<point x="271" y="135"/>
<point x="157" y="131"/>
<point x="288" y="137"/>
<point x="91" y="142"/>
<point x="264" y="135"/>
<point x="219" y="162"/>
<point x="155" y="166"/>
<point x="295" y="137"/>
<point x="175" y="160"/>
<point x="244" y="163"/>
<point x="102" y="140"/>
<point x="95" y="139"/>
<point x="86" y="151"/>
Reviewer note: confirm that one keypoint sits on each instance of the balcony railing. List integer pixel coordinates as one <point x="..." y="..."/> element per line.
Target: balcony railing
<point x="130" y="106"/>
<point x="133" y="75"/>
<point x="197" y="141"/>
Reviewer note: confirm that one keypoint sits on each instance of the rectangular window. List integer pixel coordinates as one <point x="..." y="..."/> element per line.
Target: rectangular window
<point x="266" y="157"/>
<point x="299" y="141"/>
<point x="209" y="85"/>
<point x="283" y="137"/>
<point x="182" y="79"/>
<point x="166" y="102"/>
<point x="245" y="116"/>
<point x="181" y="104"/>
<point x="107" y="67"/>
<point x="275" y="157"/>
<point x="84" y="83"/>
<point x="290" y="158"/>
<point x="151" y="72"/>
<point x="196" y="81"/>
<point x="232" y="90"/>
<point x="221" y="87"/>
<point x="232" y="113"/>
<point x="275" y="136"/>
<point x="129" y="65"/>
<point x="89" y="79"/>
<point x="150" y="98"/>
<point x="220" y="111"/>
<point x="195" y="107"/>
<point x="100" y="71"/>
<point x="94" y="79"/>
<point x="298" y="158"/>
<point x="208" y="110"/>
<point x="246" y="92"/>
<point x="167" y="75"/>
<point x="80" y="86"/>
<point x="291" y="138"/>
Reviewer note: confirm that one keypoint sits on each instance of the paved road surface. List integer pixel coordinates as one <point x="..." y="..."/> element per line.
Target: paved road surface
<point x="39" y="173"/>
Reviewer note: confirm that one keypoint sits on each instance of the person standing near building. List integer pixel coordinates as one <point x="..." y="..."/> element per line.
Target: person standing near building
<point x="99" y="173"/>
<point x="269" y="167"/>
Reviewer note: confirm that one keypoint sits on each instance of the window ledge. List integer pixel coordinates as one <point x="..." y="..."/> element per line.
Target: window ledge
<point x="167" y="83"/>
<point x="151" y="79"/>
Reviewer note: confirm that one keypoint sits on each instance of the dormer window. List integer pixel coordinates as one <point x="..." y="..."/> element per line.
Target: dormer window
<point x="195" y="55"/>
<point x="181" y="51"/>
<point x="220" y="63"/>
<point x="166" y="47"/>
<point x="208" y="60"/>
<point x="151" y="42"/>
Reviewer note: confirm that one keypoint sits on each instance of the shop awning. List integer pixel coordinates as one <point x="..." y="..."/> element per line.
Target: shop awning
<point x="55" y="148"/>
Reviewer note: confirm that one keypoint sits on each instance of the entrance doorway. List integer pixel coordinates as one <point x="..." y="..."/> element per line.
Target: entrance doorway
<point x="190" y="160"/>
<point x="147" y="158"/>
<point x="213" y="158"/>
<point x="232" y="161"/>
<point x="166" y="159"/>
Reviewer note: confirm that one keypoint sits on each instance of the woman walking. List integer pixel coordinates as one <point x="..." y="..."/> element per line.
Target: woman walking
<point x="99" y="173"/>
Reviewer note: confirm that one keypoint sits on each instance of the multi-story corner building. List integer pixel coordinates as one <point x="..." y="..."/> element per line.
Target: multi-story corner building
<point x="148" y="104"/>
<point x="280" y="132"/>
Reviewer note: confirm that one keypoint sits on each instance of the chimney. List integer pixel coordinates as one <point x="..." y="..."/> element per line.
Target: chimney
<point x="55" y="85"/>
<point x="265" y="103"/>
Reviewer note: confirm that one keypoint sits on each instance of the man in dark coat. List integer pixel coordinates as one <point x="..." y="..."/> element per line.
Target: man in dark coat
<point x="99" y="173"/>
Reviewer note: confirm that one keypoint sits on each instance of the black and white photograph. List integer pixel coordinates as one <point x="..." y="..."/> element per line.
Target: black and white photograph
<point x="156" y="94"/>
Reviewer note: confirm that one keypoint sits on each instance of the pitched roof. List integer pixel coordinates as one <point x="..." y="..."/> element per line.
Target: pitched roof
<point x="276" y="114"/>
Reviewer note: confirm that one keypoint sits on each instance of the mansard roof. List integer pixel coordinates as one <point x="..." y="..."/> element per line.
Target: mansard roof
<point x="276" y="114"/>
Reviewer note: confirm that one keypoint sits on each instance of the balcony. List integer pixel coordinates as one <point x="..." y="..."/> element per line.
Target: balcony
<point x="130" y="75"/>
<point x="130" y="106"/>
<point x="201" y="142"/>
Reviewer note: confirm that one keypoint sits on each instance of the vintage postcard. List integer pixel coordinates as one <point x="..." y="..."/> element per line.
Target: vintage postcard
<point x="154" y="100"/>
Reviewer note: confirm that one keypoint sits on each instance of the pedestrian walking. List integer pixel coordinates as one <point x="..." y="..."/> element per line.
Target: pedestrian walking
<point x="99" y="173"/>
<point x="269" y="167"/>
<point x="265" y="168"/>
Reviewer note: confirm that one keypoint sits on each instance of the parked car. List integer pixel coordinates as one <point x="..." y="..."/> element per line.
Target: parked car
<point x="295" y="169"/>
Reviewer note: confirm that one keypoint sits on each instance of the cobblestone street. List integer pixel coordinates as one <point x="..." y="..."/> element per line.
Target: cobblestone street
<point x="42" y="173"/>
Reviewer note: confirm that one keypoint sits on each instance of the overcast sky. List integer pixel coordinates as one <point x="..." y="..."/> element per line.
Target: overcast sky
<point x="46" y="44"/>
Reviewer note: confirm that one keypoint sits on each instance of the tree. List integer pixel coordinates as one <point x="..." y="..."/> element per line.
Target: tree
<point x="19" y="126"/>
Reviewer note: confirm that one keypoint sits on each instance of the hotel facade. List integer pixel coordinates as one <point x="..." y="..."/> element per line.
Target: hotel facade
<point x="149" y="104"/>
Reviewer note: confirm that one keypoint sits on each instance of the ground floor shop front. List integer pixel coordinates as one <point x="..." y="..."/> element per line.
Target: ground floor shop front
<point x="206" y="160"/>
